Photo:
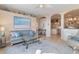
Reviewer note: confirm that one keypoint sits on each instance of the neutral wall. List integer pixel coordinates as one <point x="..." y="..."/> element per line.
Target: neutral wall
<point x="42" y="23"/>
<point x="6" y="19"/>
<point x="48" y="26"/>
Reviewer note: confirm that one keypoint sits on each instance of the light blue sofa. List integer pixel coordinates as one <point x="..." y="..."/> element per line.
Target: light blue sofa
<point x="26" y="36"/>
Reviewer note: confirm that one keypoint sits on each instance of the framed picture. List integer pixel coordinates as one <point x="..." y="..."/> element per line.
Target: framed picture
<point x="22" y="23"/>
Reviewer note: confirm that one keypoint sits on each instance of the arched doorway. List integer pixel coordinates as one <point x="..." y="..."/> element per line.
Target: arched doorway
<point x="55" y="25"/>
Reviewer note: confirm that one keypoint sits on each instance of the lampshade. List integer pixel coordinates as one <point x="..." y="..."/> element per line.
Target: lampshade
<point x="2" y="28"/>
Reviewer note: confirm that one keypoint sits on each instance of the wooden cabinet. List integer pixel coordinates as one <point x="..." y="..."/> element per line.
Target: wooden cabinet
<point x="41" y="32"/>
<point x="2" y="42"/>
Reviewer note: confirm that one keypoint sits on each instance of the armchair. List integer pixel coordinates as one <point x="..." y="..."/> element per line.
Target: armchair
<point x="73" y="41"/>
<point x="2" y="39"/>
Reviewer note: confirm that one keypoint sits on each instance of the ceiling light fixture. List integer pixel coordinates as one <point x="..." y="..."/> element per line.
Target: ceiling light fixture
<point x="42" y="5"/>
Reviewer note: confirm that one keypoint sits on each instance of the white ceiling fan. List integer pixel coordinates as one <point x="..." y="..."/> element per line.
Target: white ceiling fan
<point x="44" y="6"/>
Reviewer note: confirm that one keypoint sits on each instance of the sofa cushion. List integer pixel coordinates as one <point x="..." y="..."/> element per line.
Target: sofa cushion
<point x="16" y="34"/>
<point x="75" y="38"/>
<point x="31" y="33"/>
<point x="28" y="33"/>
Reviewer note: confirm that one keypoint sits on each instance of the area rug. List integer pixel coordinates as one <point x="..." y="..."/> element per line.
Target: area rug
<point x="45" y="47"/>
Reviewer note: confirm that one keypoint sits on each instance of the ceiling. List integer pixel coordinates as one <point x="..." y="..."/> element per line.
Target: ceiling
<point x="35" y="10"/>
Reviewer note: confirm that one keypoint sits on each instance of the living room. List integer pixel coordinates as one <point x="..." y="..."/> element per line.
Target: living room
<point x="46" y="21"/>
